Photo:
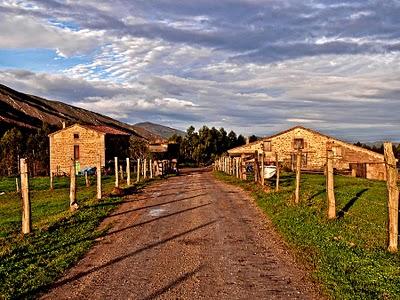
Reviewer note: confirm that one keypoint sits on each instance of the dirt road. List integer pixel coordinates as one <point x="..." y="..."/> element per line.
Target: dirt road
<point x="188" y="237"/>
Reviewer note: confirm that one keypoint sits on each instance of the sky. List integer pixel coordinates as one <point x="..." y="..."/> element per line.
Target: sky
<point x="255" y="67"/>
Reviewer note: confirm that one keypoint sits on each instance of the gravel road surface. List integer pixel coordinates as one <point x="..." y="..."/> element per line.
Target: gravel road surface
<point x="188" y="237"/>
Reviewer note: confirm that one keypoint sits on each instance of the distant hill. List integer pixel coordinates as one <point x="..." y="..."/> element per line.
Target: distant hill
<point x="157" y="129"/>
<point x="29" y="112"/>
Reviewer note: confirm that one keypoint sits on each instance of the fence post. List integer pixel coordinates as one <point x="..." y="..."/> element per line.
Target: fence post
<point x="51" y="181"/>
<point x="73" y="205"/>
<point x="330" y="185"/>
<point x="98" y="173"/>
<point x="393" y="197"/>
<point x="256" y="166"/>
<point x="151" y="168"/>
<point x="121" y="172"/>
<point x="87" y="179"/>
<point x="116" y="172"/>
<point x="277" y="172"/>
<point x="145" y="168"/>
<point x="298" y="174"/>
<point x="17" y="184"/>
<point x="26" y="203"/>
<point x="128" y="172"/>
<point x="262" y="165"/>
<point x="138" y="170"/>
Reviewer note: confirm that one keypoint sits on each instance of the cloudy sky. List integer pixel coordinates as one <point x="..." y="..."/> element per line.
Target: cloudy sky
<point x="251" y="66"/>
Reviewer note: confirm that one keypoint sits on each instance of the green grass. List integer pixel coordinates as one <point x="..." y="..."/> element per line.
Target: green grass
<point x="348" y="255"/>
<point x="29" y="264"/>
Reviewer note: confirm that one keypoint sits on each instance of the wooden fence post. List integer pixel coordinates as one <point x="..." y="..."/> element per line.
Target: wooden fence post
<point x="151" y="168"/>
<point x="262" y="165"/>
<point x="121" y="172"/>
<point x="128" y="172"/>
<point x="393" y="197"/>
<point x="116" y="172"/>
<point x="138" y="170"/>
<point x="330" y="185"/>
<point x="26" y="203"/>
<point x="98" y="173"/>
<point x="145" y="168"/>
<point x="243" y="167"/>
<point x="298" y="174"/>
<point x="73" y="205"/>
<point x="277" y="172"/>
<point x="17" y="184"/>
<point x="51" y="181"/>
<point x="256" y="166"/>
<point x="87" y="179"/>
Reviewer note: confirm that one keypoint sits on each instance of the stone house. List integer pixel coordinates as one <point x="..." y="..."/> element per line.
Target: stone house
<point x="348" y="158"/>
<point x="85" y="143"/>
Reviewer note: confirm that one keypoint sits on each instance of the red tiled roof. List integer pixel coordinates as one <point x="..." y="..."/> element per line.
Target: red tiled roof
<point x="107" y="129"/>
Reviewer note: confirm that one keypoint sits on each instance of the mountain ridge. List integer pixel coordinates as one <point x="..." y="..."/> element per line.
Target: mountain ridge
<point x="29" y="112"/>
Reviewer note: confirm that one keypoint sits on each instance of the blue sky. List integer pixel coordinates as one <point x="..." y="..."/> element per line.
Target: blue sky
<point x="256" y="67"/>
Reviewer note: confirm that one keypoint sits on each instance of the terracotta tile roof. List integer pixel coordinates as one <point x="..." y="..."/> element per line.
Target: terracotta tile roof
<point x="107" y="129"/>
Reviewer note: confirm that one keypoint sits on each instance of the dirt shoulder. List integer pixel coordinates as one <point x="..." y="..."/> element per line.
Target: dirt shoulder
<point x="188" y="237"/>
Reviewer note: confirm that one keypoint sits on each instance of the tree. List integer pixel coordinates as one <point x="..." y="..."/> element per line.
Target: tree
<point x="138" y="148"/>
<point x="11" y="149"/>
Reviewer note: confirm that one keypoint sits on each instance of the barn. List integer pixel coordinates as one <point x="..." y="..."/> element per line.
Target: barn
<point x="349" y="158"/>
<point x="85" y="143"/>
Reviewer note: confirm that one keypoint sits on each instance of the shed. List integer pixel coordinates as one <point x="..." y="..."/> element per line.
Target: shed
<point x="348" y="157"/>
<point x="85" y="143"/>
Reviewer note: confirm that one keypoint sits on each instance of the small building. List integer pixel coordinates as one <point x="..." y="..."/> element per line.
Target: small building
<point x="162" y="149"/>
<point x="85" y="143"/>
<point x="348" y="158"/>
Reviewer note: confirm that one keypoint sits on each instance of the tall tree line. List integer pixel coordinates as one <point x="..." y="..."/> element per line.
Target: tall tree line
<point x="33" y="145"/>
<point x="202" y="146"/>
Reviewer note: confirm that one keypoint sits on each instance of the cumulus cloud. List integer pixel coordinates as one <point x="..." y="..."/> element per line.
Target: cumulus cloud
<point x="252" y="66"/>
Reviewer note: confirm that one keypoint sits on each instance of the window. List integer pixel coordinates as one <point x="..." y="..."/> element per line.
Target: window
<point x="267" y="146"/>
<point x="76" y="135"/>
<point x="76" y="152"/>
<point x="298" y="144"/>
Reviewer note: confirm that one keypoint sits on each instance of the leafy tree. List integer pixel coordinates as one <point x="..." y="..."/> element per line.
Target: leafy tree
<point x="138" y="148"/>
<point x="11" y="149"/>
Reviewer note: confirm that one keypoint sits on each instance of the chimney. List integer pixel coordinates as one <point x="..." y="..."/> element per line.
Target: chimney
<point x="63" y="124"/>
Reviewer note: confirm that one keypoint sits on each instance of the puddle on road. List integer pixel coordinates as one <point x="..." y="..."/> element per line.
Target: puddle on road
<point x="156" y="212"/>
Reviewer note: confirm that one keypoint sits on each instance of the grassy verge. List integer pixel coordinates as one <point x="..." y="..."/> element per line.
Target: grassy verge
<point x="348" y="255"/>
<point x="30" y="264"/>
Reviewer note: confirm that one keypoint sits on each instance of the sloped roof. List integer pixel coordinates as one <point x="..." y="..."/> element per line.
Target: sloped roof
<point x="107" y="129"/>
<point x="99" y="128"/>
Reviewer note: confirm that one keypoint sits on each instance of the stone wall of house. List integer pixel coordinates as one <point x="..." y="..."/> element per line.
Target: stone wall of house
<point x="91" y="143"/>
<point x="314" y="152"/>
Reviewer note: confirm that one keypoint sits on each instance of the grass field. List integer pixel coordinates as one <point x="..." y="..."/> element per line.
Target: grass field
<point x="30" y="264"/>
<point x="348" y="255"/>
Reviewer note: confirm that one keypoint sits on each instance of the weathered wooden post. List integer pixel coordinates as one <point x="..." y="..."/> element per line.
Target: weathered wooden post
<point x="98" y="173"/>
<point x="73" y="205"/>
<point x="330" y="184"/>
<point x="256" y="166"/>
<point x="128" y="172"/>
<point x="138" y="170"/>
<point x="145" y="168"/>
<point x="116" y="172"/>
<point x="277" y="172"/>
<point x="17" y="185"/>
<point x="298" y="174"/>
<point x="121" y="172"/>
<point x="87" y="179"/>
<point x="262" y="164"/>
<point x="26" y="203"/>
<point x="151" y="168"/>
<point x="51" y="181"/>
<point x="393" y="197"/>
